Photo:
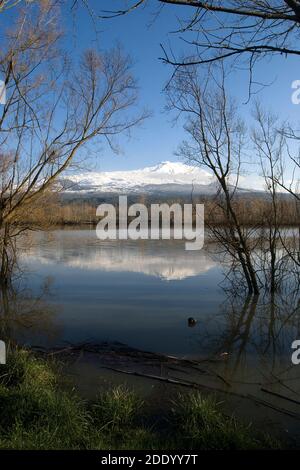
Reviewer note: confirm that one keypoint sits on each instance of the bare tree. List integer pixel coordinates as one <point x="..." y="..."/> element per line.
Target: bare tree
<point x="216" y="141"/>
<point x="230" y="29"/>
<point x="214" y="31"/>
<point x="287" y="174"/>
<point x="8" y="4"/>
<point x="271" y="147"/>
<point x="55" y="109"/>
<point x="292" y="184"/>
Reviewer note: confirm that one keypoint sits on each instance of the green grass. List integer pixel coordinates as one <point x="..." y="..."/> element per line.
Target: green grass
<point x="204" y="426"/>
<point x="116" y="409"/>
<point x="36" y="413"/>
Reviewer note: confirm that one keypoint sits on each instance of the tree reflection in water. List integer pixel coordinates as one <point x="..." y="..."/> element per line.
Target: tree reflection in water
<point x="26" y="317"/>
<point x="256" y="333"/>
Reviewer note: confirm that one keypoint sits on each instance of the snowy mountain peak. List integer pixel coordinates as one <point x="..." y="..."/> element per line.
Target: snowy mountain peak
<point x="162" y="176"/>
<point x="172" y="168"/>
<point x="165" y="177"/>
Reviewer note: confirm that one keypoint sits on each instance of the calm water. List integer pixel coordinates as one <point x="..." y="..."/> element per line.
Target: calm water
<point x="75" y="288"/>
<point x="140" y="294"/>
<point x="79" y="289"/>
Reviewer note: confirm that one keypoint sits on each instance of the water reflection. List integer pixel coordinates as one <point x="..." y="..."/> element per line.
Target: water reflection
<point x="256" y="335"/>
<point x="81" y="250"/>
<point x="27" y="318"/>
<point x="117" y="291"/>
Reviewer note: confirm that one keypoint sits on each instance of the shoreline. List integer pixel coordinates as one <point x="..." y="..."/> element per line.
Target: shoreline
<point x="117" y="418"/>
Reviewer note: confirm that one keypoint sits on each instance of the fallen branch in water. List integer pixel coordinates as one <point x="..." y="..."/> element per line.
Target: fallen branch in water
<point x="194" y="385"/>
<point x="278" y="395"/>
<point x="259" y="401"/>
<point x="169" y="380"/>
<point x="121" y="350"/>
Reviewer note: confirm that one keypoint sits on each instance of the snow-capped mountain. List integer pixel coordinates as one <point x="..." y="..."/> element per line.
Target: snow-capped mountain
<point x="166" y="173"/>
<point x="173" y="177"/>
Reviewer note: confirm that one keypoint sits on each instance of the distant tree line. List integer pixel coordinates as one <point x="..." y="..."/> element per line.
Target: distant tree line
<point x="254" y="211"/>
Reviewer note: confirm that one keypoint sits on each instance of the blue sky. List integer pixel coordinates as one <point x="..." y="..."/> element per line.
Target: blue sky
<point x="141" y="33"/>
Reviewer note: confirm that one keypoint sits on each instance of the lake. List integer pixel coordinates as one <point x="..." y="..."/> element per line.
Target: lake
<point x="142" y="294"/>
<point x="75" y="288"/>
<point x="134" y="292"/>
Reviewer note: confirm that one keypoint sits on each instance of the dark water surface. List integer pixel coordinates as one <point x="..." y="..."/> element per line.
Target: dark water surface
<point x="76" y="288"/>
<point x="141" y="294"/>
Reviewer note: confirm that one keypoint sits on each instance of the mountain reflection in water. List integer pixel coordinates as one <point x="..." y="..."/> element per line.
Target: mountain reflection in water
<point x="142" y="294"/>
<point x="79" y="250"/>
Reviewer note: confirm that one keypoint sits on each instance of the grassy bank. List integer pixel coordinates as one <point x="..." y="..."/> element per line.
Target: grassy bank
<point x="36" y="413"/>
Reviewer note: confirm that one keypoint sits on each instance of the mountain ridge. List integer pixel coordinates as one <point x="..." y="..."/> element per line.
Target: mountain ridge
<point x="174" y="177"/>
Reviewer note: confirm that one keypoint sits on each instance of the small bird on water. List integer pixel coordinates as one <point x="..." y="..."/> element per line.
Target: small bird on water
<point x="192" y="322"/>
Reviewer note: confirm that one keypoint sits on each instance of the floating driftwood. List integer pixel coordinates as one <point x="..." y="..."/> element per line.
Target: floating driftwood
<point x="123" y="350"/>
<point x="279" y="395"/>
<point x="198" y="386"/>
<point x="169" y="380"/>
<point x="259" y="401"/>
<point x="120" y="350"/>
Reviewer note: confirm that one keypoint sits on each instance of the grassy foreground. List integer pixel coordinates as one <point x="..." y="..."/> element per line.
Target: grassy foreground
<point x="35" y="413"/>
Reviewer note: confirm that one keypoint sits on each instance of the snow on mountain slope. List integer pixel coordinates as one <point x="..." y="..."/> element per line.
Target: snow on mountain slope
<point x="172" y="177"/>
<point x="165" y="173"/>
